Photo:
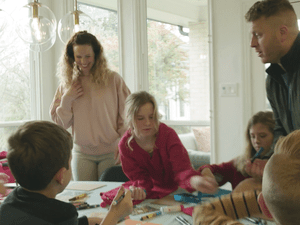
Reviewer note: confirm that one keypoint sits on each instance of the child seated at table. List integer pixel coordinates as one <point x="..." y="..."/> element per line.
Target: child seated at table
<point x="259" y="134"/>
<point x="39" y="157"/>
<point x="152" y="155"/>
<point x="280" y="194"/>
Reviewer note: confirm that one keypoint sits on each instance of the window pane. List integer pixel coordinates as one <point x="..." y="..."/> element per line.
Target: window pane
<point x="178" y="67"/>
<point x="15" y="76"/>
<point x="15" y="84"/>
<point x="5" y="132"/>
<point x="106" y="32"/>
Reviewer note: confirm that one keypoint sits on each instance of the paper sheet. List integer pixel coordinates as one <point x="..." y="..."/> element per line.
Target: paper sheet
<point x="137" y="222"/>
<point x="84" y="186"/>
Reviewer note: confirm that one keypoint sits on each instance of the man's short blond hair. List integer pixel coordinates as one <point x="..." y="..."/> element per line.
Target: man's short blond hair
<point x="281" y="180"/>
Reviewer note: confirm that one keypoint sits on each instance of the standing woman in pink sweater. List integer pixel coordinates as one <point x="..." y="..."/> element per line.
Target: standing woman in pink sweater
<point x="90" y="99"/>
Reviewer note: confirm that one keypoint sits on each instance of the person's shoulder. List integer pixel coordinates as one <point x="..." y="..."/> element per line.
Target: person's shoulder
<point x="165" y="128"/>
<point x="125" y="137"/>
<point x="115" y="75"/>
<point x="166" y="132"/>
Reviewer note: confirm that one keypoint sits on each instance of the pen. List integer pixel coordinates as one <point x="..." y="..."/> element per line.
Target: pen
<point x="88" y="206"/>
<point x="183" y="222"/>
<point x="252" y="220"/>
<point x="187" y="222"/>
<point x="150" y="215"/>
<point x="257" y="154"/>
<point x="78" y="197"/>
<point x="119" y="199"/>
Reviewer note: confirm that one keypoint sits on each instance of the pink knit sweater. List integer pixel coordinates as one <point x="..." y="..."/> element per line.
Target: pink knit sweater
<point x="97" y="117"/>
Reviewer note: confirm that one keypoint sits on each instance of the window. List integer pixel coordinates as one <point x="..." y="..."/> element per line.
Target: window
<point x="178" y="70"/>
<point x="178" y="56"/>
<point x="106" y="31"/>
<point x="16" y="96"/>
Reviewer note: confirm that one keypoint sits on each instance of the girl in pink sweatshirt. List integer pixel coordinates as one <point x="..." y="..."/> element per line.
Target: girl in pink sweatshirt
<point x="153" y="156"/>
<point x="90" y="99"/>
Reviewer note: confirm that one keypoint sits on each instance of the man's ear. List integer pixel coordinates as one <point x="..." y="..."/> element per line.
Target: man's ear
<point x="283" y="30"/>
<point x="263" y="206"/>
<point x="59" y="176"/>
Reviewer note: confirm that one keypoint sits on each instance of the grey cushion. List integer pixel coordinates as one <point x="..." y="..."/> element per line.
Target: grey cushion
<point x="198" y="158"/>
<point x="188" y="140"/>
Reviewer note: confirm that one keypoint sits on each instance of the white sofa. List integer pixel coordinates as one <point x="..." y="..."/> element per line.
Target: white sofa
<point x="198" y="158"/>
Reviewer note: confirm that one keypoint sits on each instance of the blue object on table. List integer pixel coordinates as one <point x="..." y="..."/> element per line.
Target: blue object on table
<point x="186" y="197"/>
<point x="190" y="198"/>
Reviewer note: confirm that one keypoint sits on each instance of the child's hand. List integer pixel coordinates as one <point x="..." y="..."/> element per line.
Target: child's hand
<point x="2" y="189"/>
<point x="207" y="172"/>
<point x="4" y="177"/>
<point x="205" y="184"/>
<point x="137" y="193"/>
<point x="124" y="207"/>
<point x="256" y="169"/>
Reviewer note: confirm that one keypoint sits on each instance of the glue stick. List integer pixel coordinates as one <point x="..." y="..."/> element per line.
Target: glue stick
<point x="168" y="209"/>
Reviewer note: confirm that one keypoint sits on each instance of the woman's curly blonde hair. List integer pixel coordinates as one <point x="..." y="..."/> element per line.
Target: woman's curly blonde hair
<point x="68" y="71"/>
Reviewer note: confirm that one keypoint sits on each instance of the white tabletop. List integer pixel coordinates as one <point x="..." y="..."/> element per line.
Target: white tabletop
<point x="94" y="198"/>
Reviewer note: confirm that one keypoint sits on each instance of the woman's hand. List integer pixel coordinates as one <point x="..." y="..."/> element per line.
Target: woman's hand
<point x="74" y="91"/>
<point x="137" y="193"/>
<point x="205" y="184"/>
<point x="256" y="169"/>
<point x="117" y="156"/>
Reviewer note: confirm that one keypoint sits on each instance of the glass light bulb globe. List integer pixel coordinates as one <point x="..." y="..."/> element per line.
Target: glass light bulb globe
<point x="67" y="26"/>
<point x="36" y="25"/>
<point x="6" y="29"/>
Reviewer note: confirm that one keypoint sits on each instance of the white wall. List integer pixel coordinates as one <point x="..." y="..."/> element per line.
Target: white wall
<point x="232" y="63"/>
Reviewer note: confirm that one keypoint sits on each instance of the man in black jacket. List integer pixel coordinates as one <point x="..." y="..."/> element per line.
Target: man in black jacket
<point x="276" y="39"/>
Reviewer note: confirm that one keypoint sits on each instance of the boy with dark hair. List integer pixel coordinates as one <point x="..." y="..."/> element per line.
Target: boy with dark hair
<point x="39" y="157"/>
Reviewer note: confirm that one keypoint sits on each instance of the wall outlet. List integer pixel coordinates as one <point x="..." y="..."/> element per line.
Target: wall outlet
<point x="229" y="89"/>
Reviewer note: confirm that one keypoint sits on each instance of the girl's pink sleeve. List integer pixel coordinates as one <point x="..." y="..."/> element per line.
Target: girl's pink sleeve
<point x="181" y="164"/>
<point x="61" y="109"/>
<point x="133" y="171"/>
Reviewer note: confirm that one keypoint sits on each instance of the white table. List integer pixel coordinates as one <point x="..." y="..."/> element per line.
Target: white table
<point x="94" y="198"/>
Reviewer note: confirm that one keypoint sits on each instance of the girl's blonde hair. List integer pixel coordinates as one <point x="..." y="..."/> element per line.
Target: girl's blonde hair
<point x="133" y="103"/>
<point x="68" y="71"/>
<point x="265" y="118"/>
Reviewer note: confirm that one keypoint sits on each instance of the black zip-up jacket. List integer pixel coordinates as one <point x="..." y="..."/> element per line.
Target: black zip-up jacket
<point x="284" y="93"/>
<point x="28" y="208"/>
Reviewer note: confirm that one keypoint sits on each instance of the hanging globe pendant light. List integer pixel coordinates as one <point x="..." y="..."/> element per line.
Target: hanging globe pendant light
<point x="36" y="26"/>
<point x="73" y="22"/>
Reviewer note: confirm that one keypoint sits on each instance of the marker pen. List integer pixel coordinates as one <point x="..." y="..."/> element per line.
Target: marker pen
<point x="88" y="206"/>
<point x="119" y="199"/>
<point x="78" y="197"/>
<point x="257" y="154"/>
<point x="168" y="209"/>
<point x="150" y="215"/>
